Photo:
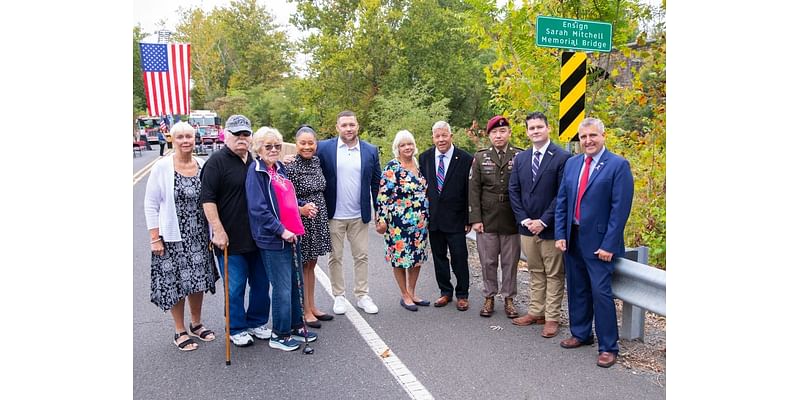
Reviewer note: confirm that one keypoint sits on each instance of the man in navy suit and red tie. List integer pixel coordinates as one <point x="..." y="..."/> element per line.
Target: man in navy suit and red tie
<point x="592" y="208"/>
<point x="532" y="189"/>
<point x="446" y="168"/>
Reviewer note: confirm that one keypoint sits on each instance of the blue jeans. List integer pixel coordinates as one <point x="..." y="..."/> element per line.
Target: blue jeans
<point x="286" y="311"/>
<point x="243" y="269"/>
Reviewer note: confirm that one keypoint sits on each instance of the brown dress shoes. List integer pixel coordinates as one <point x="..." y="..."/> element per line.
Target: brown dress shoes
<point x="462" y="305"/>
<point x="488" y="307"/>
<point x="606" y="359"/>
<point x="527" y="319"/>
<point x="550" y="329"/>
<point x="573" y="342"/>
<point x="441" y="301"/>
<point x="511" y="311"/>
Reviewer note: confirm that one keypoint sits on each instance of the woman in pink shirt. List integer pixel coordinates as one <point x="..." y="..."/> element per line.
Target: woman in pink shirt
<point x="276" y="226"/>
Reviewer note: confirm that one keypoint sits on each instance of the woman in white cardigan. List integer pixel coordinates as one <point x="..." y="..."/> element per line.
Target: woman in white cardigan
<point x="182" y="264"/>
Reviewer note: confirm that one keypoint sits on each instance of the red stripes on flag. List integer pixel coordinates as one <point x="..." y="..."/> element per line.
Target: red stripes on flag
<point x="167" y="92"/>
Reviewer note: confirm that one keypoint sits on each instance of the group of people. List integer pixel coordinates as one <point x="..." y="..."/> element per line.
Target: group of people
<point x="567" y="214"/>
<point x="267" y="216"/>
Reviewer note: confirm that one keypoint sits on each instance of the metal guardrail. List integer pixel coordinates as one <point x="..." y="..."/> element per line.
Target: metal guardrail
<point x="639" y="286"/>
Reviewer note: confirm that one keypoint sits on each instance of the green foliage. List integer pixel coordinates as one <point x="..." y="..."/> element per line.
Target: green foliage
<point x="406" y="109"/>
<point x="139" y="103"/>
<point x="404" y="64"/>
<point x="364" y="49"/>
<point x="638" y="115"/>
<point x="630" y="99"/>
<point x="234" y="49"/>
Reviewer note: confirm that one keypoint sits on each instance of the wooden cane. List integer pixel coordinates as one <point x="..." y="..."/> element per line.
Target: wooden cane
<point x="227" y="313"/>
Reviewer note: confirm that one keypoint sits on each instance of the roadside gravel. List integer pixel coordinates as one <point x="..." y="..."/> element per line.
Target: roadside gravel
<point x="639" y="357"/>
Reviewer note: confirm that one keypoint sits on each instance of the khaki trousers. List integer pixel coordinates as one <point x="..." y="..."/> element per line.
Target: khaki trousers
<point x="546" y="266"/>
<point x="356" y="232"/>
<point x="490" y="246"/>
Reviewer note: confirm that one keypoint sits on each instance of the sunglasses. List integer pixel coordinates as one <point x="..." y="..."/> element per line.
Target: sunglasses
<point x="242" y="133"/>
<point x="269" y="147"/>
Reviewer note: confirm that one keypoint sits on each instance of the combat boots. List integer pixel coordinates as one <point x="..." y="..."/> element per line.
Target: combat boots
<point x="488" y="307"/>
<point x="511" y="311"/>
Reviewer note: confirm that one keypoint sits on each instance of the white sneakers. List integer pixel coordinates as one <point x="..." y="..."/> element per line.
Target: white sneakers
<point x="242" y="339"/>
<point x="261" y="332"/>
<point x="365" y="303"/>
<point x="339" y="305"/>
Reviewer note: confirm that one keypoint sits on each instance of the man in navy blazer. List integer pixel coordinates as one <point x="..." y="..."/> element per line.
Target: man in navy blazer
<point x="592" y="208"/>
<point x="532" y="189"/>
<point x="448" y="223"/>
<point x="352" y="174"/>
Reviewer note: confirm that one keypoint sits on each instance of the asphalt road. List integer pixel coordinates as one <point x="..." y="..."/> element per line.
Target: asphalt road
<point x="452" y="354"/>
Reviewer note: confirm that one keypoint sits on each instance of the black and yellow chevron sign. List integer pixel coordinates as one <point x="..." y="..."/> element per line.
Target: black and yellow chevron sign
<point x="573" y="94"/>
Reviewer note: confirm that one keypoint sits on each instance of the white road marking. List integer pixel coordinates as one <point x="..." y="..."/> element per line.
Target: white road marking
<point x="401" y="374"/>
<point x="142" y="172"/>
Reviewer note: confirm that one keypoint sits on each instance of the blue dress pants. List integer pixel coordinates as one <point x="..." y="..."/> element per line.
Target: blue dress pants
<point x="244" y="269"/>
<point x="589" y="296"/>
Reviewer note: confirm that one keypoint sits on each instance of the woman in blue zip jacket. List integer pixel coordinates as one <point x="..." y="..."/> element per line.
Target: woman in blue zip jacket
<point x="276" y="226"/>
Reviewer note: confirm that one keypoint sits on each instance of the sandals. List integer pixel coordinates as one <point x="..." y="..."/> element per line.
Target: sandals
<point x="185" y="345"/>
<point x="201" y="333"/>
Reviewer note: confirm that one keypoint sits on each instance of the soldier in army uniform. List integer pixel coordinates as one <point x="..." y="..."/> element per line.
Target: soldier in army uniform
<point x="492" y="218"/>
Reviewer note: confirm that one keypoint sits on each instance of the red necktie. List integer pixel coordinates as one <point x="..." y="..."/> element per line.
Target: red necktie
<point x="582" y="188"/>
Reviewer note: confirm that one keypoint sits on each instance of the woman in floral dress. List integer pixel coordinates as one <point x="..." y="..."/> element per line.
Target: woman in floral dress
<point x="403" y="218"/>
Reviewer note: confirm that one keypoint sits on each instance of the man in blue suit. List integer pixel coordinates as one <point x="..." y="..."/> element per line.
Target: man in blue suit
<point x="592" y="208"/>
<point x="532" y="189"/>
<point x="352" y="174"/>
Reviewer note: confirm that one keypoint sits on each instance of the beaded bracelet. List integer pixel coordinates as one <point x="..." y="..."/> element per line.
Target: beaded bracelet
<point x="155" y="241"/>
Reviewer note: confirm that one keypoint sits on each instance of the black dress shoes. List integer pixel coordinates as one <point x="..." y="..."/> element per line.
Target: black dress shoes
<point x="324" y="317"/>
<point x="313" y="324"/>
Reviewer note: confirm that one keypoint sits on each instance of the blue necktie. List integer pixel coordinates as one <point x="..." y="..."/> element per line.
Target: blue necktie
<point x="535" y="165"/>
<point x="440" y="174"/>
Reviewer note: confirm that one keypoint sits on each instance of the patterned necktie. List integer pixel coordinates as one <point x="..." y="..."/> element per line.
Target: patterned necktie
<point x="535" y="165"/>
<point x="582" y="187"/>
<point x="440" y="173"/>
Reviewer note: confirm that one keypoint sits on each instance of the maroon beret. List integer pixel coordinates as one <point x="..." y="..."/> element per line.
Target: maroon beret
<point x="497" y="120"/>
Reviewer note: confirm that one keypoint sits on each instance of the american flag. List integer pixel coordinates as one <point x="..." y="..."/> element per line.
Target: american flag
<point x="166" y="69"/>
<point x="163" y="124"/>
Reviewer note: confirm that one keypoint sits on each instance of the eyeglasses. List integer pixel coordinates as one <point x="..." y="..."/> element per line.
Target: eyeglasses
<point x="242" y="133"/>
<point x="269" y="147"/>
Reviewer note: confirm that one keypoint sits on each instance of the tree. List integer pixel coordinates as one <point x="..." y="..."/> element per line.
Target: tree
<point x="406" y="109"/>
<point x="363" y="49"/>
<point x="139" y="102"/>
<point x="525" y="78"/>
<point x="234" y="49"/>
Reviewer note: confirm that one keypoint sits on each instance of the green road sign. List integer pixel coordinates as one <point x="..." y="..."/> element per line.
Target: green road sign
<point x="573" y="34"/>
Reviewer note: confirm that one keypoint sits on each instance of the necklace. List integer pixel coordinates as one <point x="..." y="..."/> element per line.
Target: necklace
<point x="276" y="177"/>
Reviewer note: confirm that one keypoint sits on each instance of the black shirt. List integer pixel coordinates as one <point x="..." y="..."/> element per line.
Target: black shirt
<point x="222" y="183"/>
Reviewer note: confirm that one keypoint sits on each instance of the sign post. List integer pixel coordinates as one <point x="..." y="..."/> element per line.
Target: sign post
<point x="573" y="94"/>
<point x="571" y="35"/>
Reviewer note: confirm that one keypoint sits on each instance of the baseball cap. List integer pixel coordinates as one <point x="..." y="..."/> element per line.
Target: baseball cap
<point x="237" y="123"/>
